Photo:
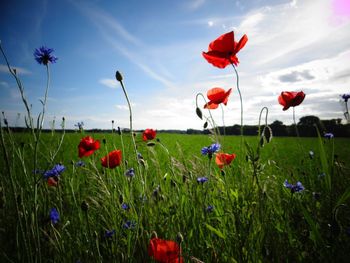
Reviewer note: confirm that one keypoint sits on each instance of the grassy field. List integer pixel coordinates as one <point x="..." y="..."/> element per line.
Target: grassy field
<point x="243" y="213"/>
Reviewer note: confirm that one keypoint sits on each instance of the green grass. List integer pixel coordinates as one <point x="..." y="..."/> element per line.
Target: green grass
<point x="255" y="218"/>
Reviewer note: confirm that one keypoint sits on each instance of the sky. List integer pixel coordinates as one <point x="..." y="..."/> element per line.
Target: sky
<point x="293" y="45"/>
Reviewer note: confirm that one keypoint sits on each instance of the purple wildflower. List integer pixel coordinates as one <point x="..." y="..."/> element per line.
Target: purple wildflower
<point x="209" y="208"/>
<point x="294" y="188"/>
<point x="109" y="233"/>
<point x="210" y="149"/>
<point x="129" y="224"/>
<point x="55" y="171"/>
<point x="125" y="206"/>
<point x="345" y="97"/>
<point x="54" y="216"/>
<point x="130" y="172"/>
<point x="202" y="179"/>
<point x="43" y="55"/>
<point x="328" y="135"/>
<point x="80" y="163"/>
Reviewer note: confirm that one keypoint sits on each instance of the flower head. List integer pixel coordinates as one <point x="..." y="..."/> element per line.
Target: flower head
<point x="328" y="135"/>
<point x="149" y="134"/>
<point x="209" y="208"/>
<point x="43" y="55"/>
<point x="55" y="171"/>
<point x="223" y="159"/>
<point x="125" y="206"/>
<point x="88" y="146"/>
<point x="223" y="50"/>
<point x="130" y="172"/>
<point x="112" y="160"/>
<point x="164" y="251"/>
<point x="210" y="149"/>
<point x="345" y="97"/>
<point x="79" y="163"/>
<point x="52" y="181"/>
<point x="202" y="180"/>
<point x="54" y="216"/>
<point x="217" y="96"/>
<point x="290" y="99"/>
<point x="109" y="233"/>
<point x="129" y="224"/>
<point x="294" y="188"/>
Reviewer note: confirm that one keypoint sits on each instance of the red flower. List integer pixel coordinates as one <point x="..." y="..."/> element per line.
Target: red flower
<point x="290" y="99"/>
<point x="87" y="146"/>
<point x="112" y="160"/>
<point x="223" y="50"/>
<point x="149" y="134"/>
<point x="223" y="159"/>
<point x="52" y="181"/>
<point x="164" y="251"/>
<point x="217" y="96"/>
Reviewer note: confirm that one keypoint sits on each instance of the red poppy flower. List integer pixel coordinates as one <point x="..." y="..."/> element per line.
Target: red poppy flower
<point x="290" y="99"/>
<point x="87" y="146"/>
<point x="149" y="134"/>
<point x="164" y="251"/>
<point x="52" y="181"/>
<point x="112" y="160"/>
<point x="223" y="50"/>
<point x="223" y="159"/>
<point x="217" y="96"/>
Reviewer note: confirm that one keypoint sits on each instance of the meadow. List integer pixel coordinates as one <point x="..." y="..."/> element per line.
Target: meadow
<point x="157" y="197"/>
<point x="243" y="213"/>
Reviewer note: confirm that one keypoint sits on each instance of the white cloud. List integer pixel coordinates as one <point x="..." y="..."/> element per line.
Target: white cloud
<point x="194" y="4"/>
<point x="111" y="83"/>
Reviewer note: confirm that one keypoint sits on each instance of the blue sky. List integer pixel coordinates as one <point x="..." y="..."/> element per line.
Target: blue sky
<point x="293" y="45"/>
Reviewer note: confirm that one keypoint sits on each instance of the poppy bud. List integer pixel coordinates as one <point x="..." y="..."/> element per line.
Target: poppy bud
<point x="14" y="71"/>
<point x="84" y="206"/>
<point x="205" y="125"/>
<point x="119" y="131"/>
<point x="151" y="144"/>
<point x="118" y="76"/>
<point x="104" y="141"/>
<point x="112" y="121"/>
<point x="179" y="238"/>
<point x="199" y="113"/>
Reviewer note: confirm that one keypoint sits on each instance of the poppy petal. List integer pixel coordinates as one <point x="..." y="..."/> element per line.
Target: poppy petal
<point x="224" y="43"/>
<point x="216" y="94"/>
<point x="217" y="59"/>
<point x="241" y="43"/>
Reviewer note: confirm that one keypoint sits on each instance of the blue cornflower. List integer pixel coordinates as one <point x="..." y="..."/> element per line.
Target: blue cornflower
<point x="55" y="171"/>
<point x="80" y="163"/>
<point x="109" y="233"/>
<point x="209" y="208"/>
<point x="210" y="149"/>
<point x="54" y="216"/>
<point x="328" y="135"/>
<point x="129" y="224"/>
<point x="43" y="55"/>
<point x="298" y="187"/>
<point x="125" y="206"/>
<point x="202" y="179"/>
<point x="130" y="172"/>
<point x="345" y="97"/>
<point x="139" y="156"/>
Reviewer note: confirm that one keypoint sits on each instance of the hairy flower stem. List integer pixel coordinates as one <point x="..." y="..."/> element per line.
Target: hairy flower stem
<point x="240" y="98"/>
<point x="267" y="113"/>
<point x="295" y="124"/>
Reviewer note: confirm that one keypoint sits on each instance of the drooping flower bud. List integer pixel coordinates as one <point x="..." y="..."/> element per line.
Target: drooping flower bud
<point x="118" y="76"/>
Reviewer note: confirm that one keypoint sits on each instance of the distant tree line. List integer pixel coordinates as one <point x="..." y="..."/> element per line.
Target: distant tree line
<point x="307" y="127"/>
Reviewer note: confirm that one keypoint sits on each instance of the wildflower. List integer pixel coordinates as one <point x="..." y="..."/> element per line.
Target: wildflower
<point x="328" y="135"/>
<point x="139" y="156"/>
<point x="112" y="160"/>
<point x="54" y="216"/>
<point x="130" y="172"/>
<point x="79" y="125"/>
<point x="223" y="159"/>
<point x="52" y="181"/>
<point x="109" y="233"/>
<point x="210" y="149"/>
<point x="290" y="99"/>
<point x="311" y="154"/>
<point x="164" y="251"/>
<point x="55" y="171"/>
<point x="149" y="134"/>
<point x="129" y="224"/>
<point x="217" y="96"/>
<point x="298" y="187"/>
<point x="80" y="163"/>
<point x="209" y="209"/>
<point x="43" y="55"/>
<point x="202" y="179"/>
<point x="88" y="146"/>
<point x="345" y="97"/>
<point x="223" y="50"/>
<point x="321" y="175"/>
<point x="125" y="206"/>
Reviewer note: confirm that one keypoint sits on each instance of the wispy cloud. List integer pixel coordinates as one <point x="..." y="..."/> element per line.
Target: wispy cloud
<point x="194" y="4"/>
<point x="19" y="70"/>
<point x="110" y="83"/>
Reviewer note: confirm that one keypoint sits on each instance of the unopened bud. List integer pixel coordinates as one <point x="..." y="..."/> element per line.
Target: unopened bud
<point x="84" y="206"/>
<point x="118" y="76"/>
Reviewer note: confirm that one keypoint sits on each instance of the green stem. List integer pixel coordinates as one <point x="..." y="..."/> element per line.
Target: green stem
<point x="240" y="98"/>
